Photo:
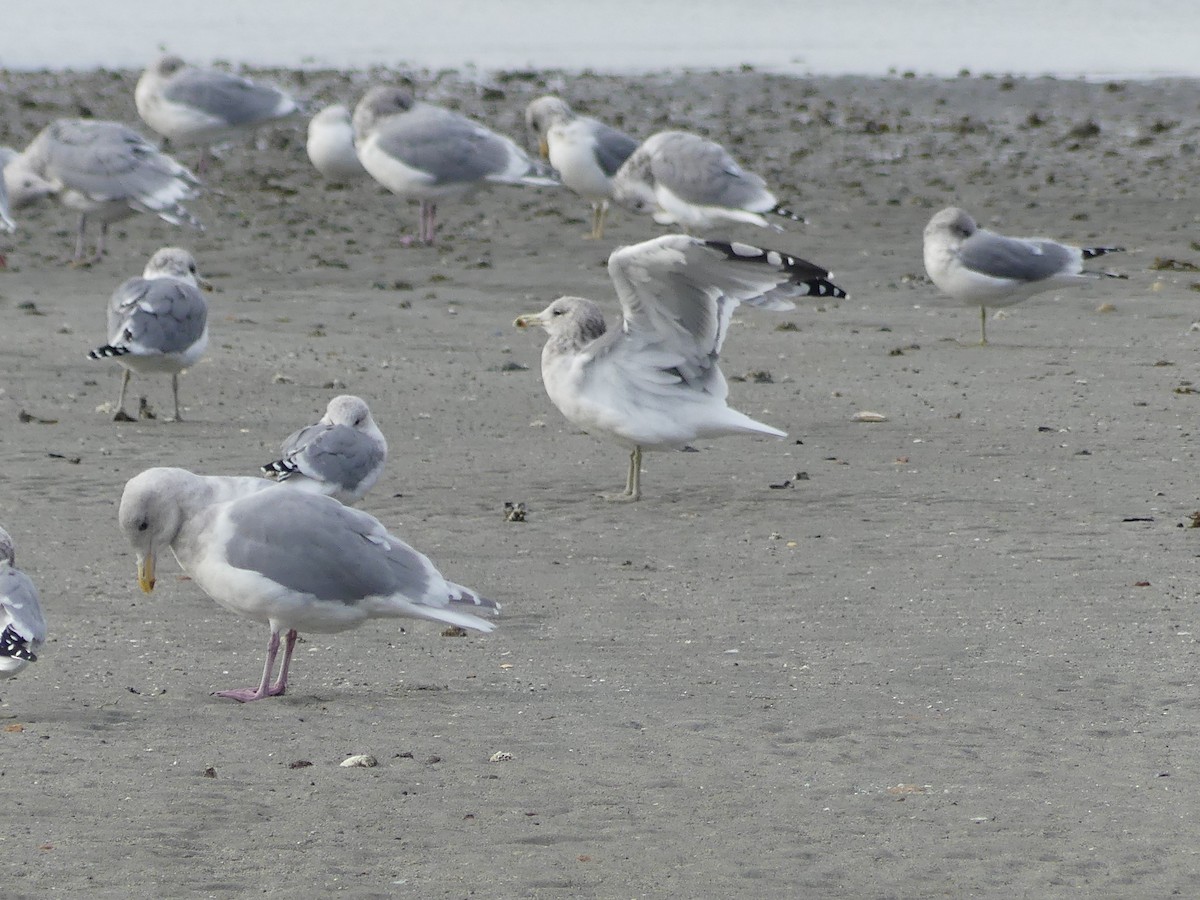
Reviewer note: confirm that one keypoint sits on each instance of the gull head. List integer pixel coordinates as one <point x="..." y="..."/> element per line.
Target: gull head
<point x="951" y="224"/>
<point x="168" y="65"/>
<point x="350" y="411"/>
<point x="151" y="516"/>
<point x="8" y="553"/>
<point x="379" y="103"/>
<point x="574" y="318"/>
<point x="25" y="187"/>
<point x="177" y="263"/>
<point x="544" y="113"/>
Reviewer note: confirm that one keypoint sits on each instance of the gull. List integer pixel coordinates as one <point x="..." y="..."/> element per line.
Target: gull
<point x="22" y="627"/>
<point x="653" y="382"/>
<point x="6" y="219"/>
<point x="157" y="323"/>
<point x="188" y="105"/>
<point x="330" y="145"/>
<point x="684" y="179"/>
<point x="980" y="268"/>
<point x="342" y="455"/>
<point x="107" y="172"/>
<point x="423" y="152"/>
<point x="293" y="560"/>
<point x="585" y="152"/>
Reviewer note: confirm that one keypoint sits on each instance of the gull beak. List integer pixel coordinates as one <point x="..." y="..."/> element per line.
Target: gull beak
<point x="544" y="148"/>
<point x="146" y="573"/>
<point x="530" y="320"/>
<point x="204" y="283"/>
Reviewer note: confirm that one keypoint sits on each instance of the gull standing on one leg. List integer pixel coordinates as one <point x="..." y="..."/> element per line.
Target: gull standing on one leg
<point x="157" y="323"/>
<point x="584" y="152"/>
<point x="980" y="268"/>
<point x="653" y="383"/>
<point x="189" y="105"/>
<point x="423" y="152"/>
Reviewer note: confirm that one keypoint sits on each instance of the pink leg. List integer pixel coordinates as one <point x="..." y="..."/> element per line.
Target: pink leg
<point x="245" y="695"/>
<point x="202" y="163"/>
<point x="280" y="686"/>
<point x="428" y="230"/>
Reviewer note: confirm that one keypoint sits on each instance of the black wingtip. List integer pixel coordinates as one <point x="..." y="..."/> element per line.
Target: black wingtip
<point x="800" y="270"/>
<point x="1093" y="252"/>
<point x="107" y="352"/>
<point x="784" y="212"/>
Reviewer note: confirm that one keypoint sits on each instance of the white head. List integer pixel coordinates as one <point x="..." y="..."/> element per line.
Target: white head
<point x="349" y="410"/>
<point x="337" y="114"/>
<point x="951" y="223"/>
<point x="24" y="186"/>
<point x="166" y="66"/>
<point x="174" y="262"/>
<point x="152" y="513"/>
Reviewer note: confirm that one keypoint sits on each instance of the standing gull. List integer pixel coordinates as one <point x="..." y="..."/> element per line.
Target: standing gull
<point x="586" y="153"/>
<point x="342" y="455"/>
<point x="189" y="105"/>
<point x="330" y="145"/>
<point x="108" y="172"/>
<point x="157" y="323"/>
<point x="294" y="560"/>
<point x="22" y="627"/>
<point x="682" y="178"/>
<point x="423" y="152"/>
<point x="980" y="268"/>
<point x="653" y="383"/>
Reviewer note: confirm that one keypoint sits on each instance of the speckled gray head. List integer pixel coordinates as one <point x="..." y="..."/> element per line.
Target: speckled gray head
<point x="379" y="103"/>
<point x="174" y="262"/>
<point x="952" y="221"/>
<point x="7" y="551"/>
<point x="543" y="112"/>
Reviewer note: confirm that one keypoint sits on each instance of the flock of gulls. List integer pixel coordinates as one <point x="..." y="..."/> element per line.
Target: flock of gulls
<point x="288" y="549"/>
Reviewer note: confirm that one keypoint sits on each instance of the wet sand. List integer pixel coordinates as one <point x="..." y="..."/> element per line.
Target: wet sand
<point x="948" y="654"/>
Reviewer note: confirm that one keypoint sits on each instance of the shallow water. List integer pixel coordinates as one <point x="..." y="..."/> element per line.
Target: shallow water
<point x="1069" y="38"/>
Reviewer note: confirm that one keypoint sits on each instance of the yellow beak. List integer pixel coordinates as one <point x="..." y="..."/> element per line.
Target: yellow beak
<point x="544" y="148"/>
<point x="528" y="321"/>
<point x="146" y="573"/>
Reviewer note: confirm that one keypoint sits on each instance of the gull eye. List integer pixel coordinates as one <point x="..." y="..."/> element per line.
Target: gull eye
<point x="557" y="312"/>
<point x="143" y="525"/>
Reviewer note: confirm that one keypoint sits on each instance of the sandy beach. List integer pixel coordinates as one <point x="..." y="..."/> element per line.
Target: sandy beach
<point x="946" y="654"/>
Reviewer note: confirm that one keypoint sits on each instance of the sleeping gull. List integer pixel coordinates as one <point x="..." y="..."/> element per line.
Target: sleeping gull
<point x="157" y="323"/>
<point x="423" y="152"/>
<point x="980" y="268"/>
<point x="586" y="153"/>
<point x="189" y="105"/>
<point x="294" y="560"/>
<point x="330" y="145"/>
<point x="6" y="219"/>
<point x="108" y="172"/>
<point x="682" y="178"/>
<point x="22" y="627"/>
<point x="342" y="455"/>
<point x="653" y="383"/>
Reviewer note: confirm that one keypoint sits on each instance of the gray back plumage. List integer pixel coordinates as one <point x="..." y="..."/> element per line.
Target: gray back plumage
<point x="163" y="313"/>
<point x="702" y="172"/>
<point x="230" y="98"/>
<point x="449" y="147"/>
<point x="346" y="557"/>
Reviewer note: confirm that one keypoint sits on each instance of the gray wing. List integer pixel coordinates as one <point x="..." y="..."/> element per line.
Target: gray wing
<point x="703" y="173"/>
<point x="612" y="147"/>
<point x="449" y="147"/>
<point x="338" y="455"/>
<point x="233" y="100"/>
<point x="157" y="314"/>
<point x="107" y="161"/>
<point x="678" y="294"/>
<point x="19" y="606"/>
<point x="314" y="545"/>
<point x="1022" y="260"/>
